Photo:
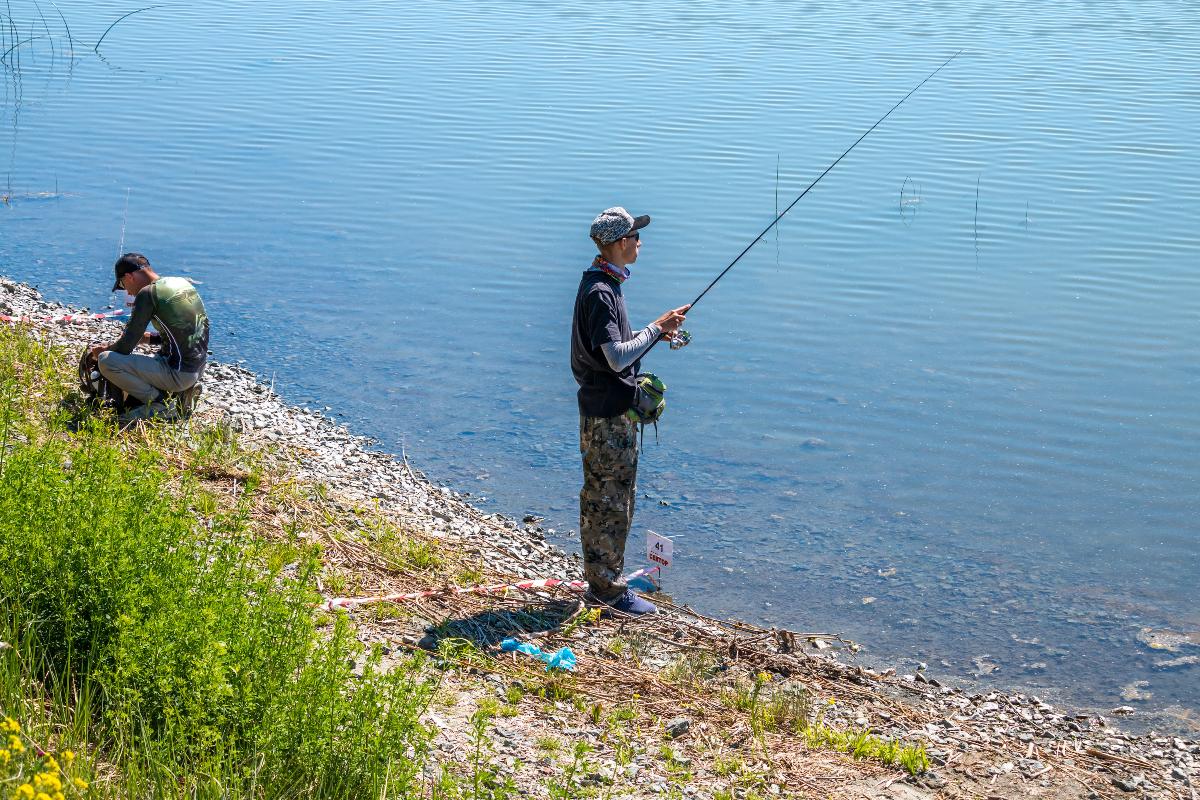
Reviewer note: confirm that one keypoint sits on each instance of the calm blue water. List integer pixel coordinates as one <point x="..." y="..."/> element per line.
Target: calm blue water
<point x="968" y="356"/>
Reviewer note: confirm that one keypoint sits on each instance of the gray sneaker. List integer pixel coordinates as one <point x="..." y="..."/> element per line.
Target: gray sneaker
<point x="158" y="410"/>
<point x="628" y="603"/>
<point x="188" y="399"/>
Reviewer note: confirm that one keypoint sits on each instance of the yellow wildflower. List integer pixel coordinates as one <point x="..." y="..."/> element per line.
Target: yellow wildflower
<point x="59" y="796"/>
<point x="42" y="796"/>
<point x="10" y="725"/>
<point x="14" y="744"/>
<point x="5" y="757"/>
<point x="47" y="780"/>
<point x="80" y="783"/>
<point x="68" y="756"/>
<point x="25" y="792"/>
<point x="51" y="764"/>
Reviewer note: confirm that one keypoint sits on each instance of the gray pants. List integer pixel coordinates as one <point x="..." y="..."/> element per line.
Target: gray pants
<point x="143" y="376"/>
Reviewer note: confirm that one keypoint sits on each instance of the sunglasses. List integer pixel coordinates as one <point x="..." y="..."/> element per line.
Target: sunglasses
<point x="121" y="280"/>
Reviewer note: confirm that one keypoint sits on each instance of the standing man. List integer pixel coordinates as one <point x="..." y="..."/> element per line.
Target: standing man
<point x="175" y="308"/>
<point x="605" y="355"/>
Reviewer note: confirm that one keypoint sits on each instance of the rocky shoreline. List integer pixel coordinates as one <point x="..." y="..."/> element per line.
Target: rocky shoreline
<point x="981" y="744"/>
<point x="334" y="456"/>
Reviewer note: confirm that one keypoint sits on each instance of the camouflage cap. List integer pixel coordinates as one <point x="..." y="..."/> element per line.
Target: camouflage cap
<point x="616" y="223"/>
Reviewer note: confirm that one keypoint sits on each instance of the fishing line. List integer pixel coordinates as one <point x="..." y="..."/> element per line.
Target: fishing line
<point x="781" y="214"/>
<point x="124" y="219"/>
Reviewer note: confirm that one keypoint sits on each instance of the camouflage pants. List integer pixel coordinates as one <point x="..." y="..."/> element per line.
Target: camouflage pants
<point x="610" y="456"/>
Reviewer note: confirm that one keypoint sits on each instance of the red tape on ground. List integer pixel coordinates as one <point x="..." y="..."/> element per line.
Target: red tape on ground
<point x="64" y="318"/>
<point x="523" y="586"/>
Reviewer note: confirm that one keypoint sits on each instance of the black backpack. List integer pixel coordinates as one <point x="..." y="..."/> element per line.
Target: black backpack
<point x="99" y="390"/>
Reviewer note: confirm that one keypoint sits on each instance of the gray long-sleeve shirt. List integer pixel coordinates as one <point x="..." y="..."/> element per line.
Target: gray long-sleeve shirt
<point x="620" y="355"/>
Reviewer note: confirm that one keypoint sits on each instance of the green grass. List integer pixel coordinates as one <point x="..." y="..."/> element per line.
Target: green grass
<point x="485" y="781"/>
<point x="556" y="686"/>
<point x="154" y="631"/>
<point x="568" y="784"/>
<point x="691" y="670"/>
<point x="790" y="708"/>
<point x="401" y="550"/>
<point x="862" y="744"/>
<point x="770" y="708"/>
<point x="455" y="651"/>
<point x="724" y="766"/>
<point x="548" y="744"/>
<point x="43" y="742"/>
<point x="677" y="767"/>
<point x="589" y="617"/>
<point x="617" y="730"/>
<point x="470" y="575"/>
<point x="626" y="712"/>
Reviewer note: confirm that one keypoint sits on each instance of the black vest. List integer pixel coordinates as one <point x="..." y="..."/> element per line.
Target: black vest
<point x="600" y="318"/>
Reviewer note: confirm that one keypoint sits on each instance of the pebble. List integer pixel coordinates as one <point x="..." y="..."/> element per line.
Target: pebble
<point x="678" y="727"/>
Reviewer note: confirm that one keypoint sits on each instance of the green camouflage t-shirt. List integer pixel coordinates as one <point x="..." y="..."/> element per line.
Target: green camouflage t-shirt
<point x="174" y="307"/>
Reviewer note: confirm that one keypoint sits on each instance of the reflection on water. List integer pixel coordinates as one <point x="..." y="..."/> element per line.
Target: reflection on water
<point x="959" y="380"/>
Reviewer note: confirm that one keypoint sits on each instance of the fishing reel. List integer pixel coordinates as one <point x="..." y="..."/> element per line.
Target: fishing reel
<point x="679" y="339"/>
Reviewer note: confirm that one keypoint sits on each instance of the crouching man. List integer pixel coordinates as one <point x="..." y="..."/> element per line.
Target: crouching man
<point x="174" y="307"/>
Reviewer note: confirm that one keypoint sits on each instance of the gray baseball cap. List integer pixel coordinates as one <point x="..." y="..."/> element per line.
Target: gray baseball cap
<point x="616" y="223"/>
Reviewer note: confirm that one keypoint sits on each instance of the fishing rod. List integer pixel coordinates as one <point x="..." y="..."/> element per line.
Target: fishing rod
<point x="682" y="337"/>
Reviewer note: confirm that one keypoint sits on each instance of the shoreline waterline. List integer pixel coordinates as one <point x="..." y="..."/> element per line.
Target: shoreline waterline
<point x="345" y="461"/>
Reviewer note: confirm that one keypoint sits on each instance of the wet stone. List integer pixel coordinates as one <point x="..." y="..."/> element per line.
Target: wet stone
<point x="678" y="727"/>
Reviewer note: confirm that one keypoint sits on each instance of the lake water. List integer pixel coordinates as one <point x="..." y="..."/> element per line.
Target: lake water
<point x="959" y="379"/>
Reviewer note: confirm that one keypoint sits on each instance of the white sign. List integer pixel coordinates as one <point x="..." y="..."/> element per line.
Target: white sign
<point x="658" y="549"/>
